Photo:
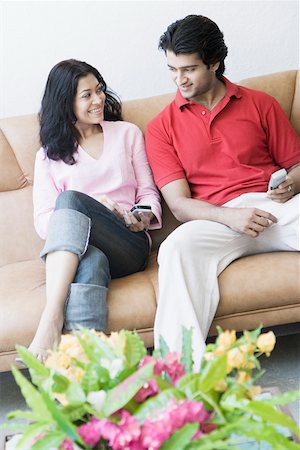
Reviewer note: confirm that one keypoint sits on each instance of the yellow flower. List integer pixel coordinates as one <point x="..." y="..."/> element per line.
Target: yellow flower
<point x="266" y="342"/>
<point x="243" y="377"/>
<point x="224" y="341"/>
<point x="67" y="341"/>
<point x="117" y="341"/>
<point x="249" y="365"/>
<point x="209" y="356"/>
<point x="221" y="386"/>
<point x="75" y="374"/>
<point x="235" y="359"/>
<point x="248" y="348"/>
<point x="254" y="391"/>
<point x="58" y="360"/>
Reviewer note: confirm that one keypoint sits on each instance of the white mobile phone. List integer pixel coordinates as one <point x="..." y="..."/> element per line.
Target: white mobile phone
<point x="136" y="209"/>
<point x="277" y="178"/>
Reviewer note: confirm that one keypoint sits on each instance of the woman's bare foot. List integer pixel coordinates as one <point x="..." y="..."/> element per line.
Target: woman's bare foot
<point x="47" y="334"/>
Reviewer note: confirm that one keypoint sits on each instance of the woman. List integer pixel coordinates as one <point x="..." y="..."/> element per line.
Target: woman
<point x="90" y="171"/>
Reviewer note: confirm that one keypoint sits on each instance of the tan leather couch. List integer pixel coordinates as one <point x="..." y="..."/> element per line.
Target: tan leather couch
<point x="257" y="289"/>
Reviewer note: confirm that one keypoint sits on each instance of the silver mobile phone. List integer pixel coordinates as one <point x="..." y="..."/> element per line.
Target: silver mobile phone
<point x="277" y="178"/>
<point x="136" y="209"/>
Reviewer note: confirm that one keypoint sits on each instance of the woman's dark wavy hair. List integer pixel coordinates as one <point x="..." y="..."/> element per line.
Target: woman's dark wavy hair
<point x="58" y="134"/>
<point x="196" y="34"/>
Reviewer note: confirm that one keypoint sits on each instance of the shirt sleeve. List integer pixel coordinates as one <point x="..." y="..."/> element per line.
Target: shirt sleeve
<point x="284" y="142"/>
<point x="162" y="155"/>
<point x="45" y="194"/>
<point x="146" y="192"/>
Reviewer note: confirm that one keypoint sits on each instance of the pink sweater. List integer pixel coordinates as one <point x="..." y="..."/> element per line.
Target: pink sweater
<point x="122" y="172"/>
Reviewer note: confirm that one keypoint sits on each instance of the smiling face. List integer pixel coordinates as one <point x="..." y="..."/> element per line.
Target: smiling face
<point x="192" y="77"/>
<point x="88" y="105"/>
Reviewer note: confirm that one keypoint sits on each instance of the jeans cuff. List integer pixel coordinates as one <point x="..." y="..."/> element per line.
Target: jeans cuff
<point x="68" y="230"/>
<point x="86" y="306"/>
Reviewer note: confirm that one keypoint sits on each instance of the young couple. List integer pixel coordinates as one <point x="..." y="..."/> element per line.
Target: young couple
<point x="212" y="152"/>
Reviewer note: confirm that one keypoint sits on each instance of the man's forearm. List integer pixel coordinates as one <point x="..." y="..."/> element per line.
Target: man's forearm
<point x="187" y="209"/>
<point x="294" y="173"/>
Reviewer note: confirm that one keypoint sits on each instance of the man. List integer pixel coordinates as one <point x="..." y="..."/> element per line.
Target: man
<point x="212" y="152"/>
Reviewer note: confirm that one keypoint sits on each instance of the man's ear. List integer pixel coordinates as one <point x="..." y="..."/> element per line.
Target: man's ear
<point x="214" y="67"/>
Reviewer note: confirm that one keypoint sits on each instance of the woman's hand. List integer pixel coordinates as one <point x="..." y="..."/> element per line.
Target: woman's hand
<point x="111" y="205"/>
<point x="134" y="224"/>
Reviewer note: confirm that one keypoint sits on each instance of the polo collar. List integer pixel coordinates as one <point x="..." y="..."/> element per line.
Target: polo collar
<point x="232" y="90"/>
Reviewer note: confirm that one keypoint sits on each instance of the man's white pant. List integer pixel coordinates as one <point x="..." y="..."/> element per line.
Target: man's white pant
<point x="194" y="255"/>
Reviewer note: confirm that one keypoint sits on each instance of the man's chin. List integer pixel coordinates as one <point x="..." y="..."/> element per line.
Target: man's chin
<point x="185" y="94"/>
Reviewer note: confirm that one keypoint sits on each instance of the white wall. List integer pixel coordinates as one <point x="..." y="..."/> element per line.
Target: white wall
<point x="120" y="38"/>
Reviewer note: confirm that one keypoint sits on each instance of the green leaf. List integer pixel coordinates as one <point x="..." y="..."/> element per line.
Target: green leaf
<point x="224" y="444"/>
<point x="162" y="383"/>
<point x="210" y="401"/>
<point x="32" y="431"/>
<point x="94" y="377"/>
<point x="95" y="347"/>
<point x="219" y="445"/>
<point x="38" y="371"/>
<point x="20" y="414"/>
<point x="189" y="385"/>
<point x="151" y="406"/>
<point x="50" y="441"/>
<point x="75" y="394"/>
<point x="163" y="347"/>
<point x="181" y="437"/>
<point x="187" y="350"/>
<point x="234" y="399"/>
<point x="117" y="397"/>
<point x="18" y="427"/>
<point x="262" y="432"/>
<point x="62" y="422"/>
<point x="59" y="383"/>
<point x="282" y="399"/>
<point x="135" y="348"/>
<point x="272" y="415"/>
<point x="220" y="434"/>
<point x="74" y="413"/>
<point x="32" y="397"/>
<point x="213" y="372"/>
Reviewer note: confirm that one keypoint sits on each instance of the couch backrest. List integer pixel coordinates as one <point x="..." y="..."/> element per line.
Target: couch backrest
<point x="19" y="142"/>
<point x="284" y="86"/>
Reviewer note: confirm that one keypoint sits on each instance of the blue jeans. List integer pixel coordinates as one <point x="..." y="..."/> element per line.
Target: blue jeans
<point x="106" y="249"/>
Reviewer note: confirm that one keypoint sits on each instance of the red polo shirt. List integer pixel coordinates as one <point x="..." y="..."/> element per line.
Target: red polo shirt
<point x="224" y="153"/>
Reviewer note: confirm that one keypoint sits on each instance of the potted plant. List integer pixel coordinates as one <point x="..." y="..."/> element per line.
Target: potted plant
<point x="99" y="392"/>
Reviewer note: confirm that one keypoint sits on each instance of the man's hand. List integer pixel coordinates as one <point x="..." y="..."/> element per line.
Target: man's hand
<point x="250" y="221"/>
<point x="284" y="191"/>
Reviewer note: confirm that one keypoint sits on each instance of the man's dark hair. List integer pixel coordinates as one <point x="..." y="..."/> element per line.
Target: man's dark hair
<point x="196" y="34"/>
<point x="58" y="134"/>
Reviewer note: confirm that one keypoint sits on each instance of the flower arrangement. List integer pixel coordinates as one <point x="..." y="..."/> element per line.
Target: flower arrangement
<point x="99" y="392"/>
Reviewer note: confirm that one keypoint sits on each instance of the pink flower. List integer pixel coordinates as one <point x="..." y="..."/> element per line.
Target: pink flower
<point x="66" y="444"/>
<point x="173" y="366"/>
<point x="158" y="364"/>
<point x="91" y="432"/>
<point x="156" y="432"/>
<point x="149" y="389"/>
<point x="124" y="434"/>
